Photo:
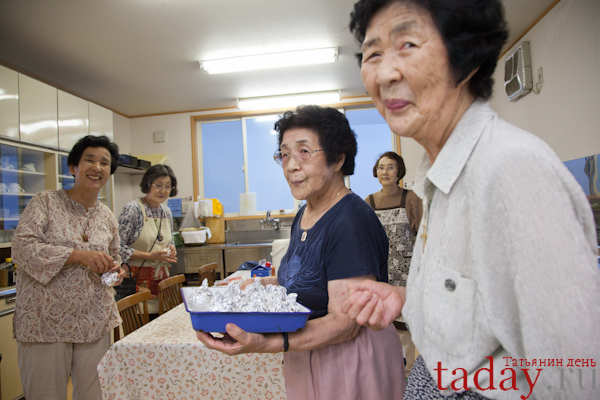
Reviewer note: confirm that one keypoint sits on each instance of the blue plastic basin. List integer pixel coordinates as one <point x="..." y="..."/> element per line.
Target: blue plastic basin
<point x="257" y="322"/>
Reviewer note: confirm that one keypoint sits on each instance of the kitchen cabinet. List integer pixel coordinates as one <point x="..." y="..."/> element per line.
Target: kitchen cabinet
<point x="38" y="112"/>
<point x="11" y="381"/>
<point x="73" y="120"/>
<point x="9" y="104"/>
<point x="24" y="171"/>
<point x="190" y="258"/>
<point x="101" y="121"/>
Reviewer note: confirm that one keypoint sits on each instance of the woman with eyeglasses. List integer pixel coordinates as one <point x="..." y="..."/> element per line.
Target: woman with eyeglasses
<point x="399" y="211"/>
<point x="336" y="239"/>
<point x="145" y="228"/>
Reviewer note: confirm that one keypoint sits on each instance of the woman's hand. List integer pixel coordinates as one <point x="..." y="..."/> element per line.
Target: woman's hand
<point x="238" y="341"/>
<point x="374" y="304"/>
<point x="98" y="261"/>
<point x="267" y="280"/>
<point x="173" y="253"/>
<point x="247" y="282"/>
<point x="122" y="273"/>
<point x="161" y="255"/>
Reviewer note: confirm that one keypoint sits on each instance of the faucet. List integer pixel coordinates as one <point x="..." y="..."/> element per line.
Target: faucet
<point x="274" y="222"/>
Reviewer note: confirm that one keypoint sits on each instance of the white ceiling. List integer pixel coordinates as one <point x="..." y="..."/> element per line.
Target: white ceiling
<point x="139" y="57"/>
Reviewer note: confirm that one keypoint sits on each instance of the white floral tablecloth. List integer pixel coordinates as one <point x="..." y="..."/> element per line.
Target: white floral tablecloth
<point x="164" y="360"/>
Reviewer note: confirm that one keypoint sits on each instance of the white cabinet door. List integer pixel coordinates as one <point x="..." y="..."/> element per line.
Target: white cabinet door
<point x="101" y="121"/>
<point x="9" y="103"/>
<point x="72" y="120"/>
<point x="38" y="111"/>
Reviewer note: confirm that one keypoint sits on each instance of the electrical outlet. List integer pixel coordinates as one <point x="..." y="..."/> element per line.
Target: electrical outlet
<point x="540" y="72"/>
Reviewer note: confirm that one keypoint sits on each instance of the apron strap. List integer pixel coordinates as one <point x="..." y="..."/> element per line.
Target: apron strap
<point x="372" y="201"/>
<point x="403" y="200"/>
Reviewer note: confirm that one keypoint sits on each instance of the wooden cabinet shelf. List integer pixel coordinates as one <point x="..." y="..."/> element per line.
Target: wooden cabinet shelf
<point x="129" y="170"/>
<point x="21" y="171"/>
<point x="26" y="170"/>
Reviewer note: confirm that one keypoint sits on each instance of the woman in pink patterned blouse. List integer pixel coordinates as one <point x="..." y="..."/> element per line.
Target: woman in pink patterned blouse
<point x="65" y="240"/>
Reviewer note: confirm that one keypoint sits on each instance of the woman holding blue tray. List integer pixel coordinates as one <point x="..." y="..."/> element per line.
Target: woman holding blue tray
<point x="336" y="240"/>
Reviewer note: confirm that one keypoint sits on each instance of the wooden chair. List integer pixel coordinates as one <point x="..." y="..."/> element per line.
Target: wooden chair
<point x="169" y="293"/>
<point x="208" y="271"/>
<point x="134" y="312"/>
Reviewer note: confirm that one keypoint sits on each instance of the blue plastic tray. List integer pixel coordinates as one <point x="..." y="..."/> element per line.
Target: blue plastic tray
<point x="258" y="322"/>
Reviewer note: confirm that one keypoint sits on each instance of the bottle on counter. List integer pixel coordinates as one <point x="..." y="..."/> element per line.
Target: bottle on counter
<point x="7" y="273"/>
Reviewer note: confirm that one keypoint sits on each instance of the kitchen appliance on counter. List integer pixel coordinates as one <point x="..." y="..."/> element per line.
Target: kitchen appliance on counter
<point x="11" y="380"/>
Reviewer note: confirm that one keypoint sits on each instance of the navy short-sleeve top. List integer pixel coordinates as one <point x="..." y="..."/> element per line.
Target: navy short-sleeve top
<point x="347" y="241"/>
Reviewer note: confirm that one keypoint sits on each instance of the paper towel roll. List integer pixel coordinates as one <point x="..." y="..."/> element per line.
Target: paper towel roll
<point x="247" y="203"/>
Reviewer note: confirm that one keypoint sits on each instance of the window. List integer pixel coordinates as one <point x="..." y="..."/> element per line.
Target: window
<point x="223" y="163"/>
<point x="374" y="138"/>
<point x="265" y="177"/>
<point x="237" y="157"/>
<point x="231" y="168"/>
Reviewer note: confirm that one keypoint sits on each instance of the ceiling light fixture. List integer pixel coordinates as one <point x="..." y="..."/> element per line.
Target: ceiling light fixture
<point x="274" y="60"/>
<point x="289" y="101"/>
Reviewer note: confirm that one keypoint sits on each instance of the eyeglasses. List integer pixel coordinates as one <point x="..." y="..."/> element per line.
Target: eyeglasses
<point x="301" y="156"/>
<point x="388" y="168"/>
<point x="161" y="187"/>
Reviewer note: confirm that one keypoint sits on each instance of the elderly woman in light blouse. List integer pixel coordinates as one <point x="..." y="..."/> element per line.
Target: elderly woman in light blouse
<point x="65" y="241"/>
<point x="504" y="267"/>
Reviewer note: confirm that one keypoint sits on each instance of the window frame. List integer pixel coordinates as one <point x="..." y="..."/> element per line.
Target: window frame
<point x="196" y="139"/>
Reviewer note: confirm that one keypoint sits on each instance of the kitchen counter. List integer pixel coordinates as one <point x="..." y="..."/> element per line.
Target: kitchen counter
<point x="237" y="245"/>
<point x="229" y="256"/>
<point x="7" y="291"/>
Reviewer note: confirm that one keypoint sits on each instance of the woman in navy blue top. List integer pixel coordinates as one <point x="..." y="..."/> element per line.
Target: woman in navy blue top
<point x="336" y="240"/>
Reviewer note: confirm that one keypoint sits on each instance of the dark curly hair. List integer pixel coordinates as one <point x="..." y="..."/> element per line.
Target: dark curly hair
<point x="158" y="171"/>
<point x="94" y="141"/>
<point x="393" y="156"/>
<point x="332" y="128"/>
<point x="473" y="31"/>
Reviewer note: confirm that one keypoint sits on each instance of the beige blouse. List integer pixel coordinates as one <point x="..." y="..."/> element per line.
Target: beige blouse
<point x="58" y="302"/>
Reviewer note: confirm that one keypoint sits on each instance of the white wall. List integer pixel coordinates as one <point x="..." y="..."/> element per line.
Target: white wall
<point x="123" y="182"/>
<point x="412" y="153"/>
<point x="566" y="114"/>
<point x="178" y="146"/>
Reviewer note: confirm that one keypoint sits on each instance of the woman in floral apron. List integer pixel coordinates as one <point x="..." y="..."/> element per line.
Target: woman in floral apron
<point x="145" y="229"/>
<point x="399" y="211"/>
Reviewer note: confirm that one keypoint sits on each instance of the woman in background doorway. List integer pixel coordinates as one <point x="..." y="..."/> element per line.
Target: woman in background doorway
<point x="399" y="211"/>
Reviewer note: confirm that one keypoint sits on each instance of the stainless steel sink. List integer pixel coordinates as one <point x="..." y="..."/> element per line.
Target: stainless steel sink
<point x="247" y="240"/>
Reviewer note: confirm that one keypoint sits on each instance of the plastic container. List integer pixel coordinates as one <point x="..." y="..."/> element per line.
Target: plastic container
<point x="257" y="322"/>
<point x="260" y="271"/>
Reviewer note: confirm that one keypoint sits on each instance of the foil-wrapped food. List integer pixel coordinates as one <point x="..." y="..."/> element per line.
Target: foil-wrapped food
<point x="110" y="278"/>
<point x="254" y="298"/>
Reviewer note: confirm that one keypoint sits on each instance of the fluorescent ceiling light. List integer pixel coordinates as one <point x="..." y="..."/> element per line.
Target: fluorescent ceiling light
<point x="288" y="101"/>
<point x="274" y="60"/>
